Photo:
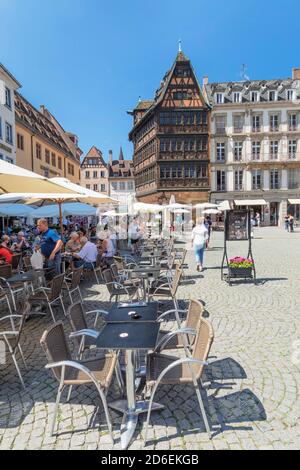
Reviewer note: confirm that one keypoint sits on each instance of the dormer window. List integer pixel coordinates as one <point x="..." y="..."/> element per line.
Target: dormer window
<point x="289" y="95"/>
<point x="236" y="97"/>
<point x="219" y="98"/>
<point x="254" y="96"/>
<point x="272" y="95"/>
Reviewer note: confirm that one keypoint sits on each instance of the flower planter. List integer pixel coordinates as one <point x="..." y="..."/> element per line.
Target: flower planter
<point x="240" y="272"/>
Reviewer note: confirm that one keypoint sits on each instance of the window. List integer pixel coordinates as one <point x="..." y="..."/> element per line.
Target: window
<point x="102" y="188"/>
<point x="8" y="97"/>
<point x="46" y="172"/>
<point x="219" y="98"/>
<point x="102" y="174"/>
<point x="292" y="149"/>
<point x="293" y="178"/>
<point x="274" y="179"/>
<point x="8" y="133"/>
<point x="95" y="187"/>
<point x="238" y="180"/>
<point x="87" y="175"/>
<point x="238" y="123"/>
<point x="274" y="122"/>
<point x="1" y="156"/>
<point x="221" y="180"/>
<point x="0" y="128"/>
<point x="47" y="156"/>
<point x="272" y="95"/>
<point x="292" y="122"/>
<point x="95" y="174"/>
<point x="130" y="186"/>
<point x="122" y="185"/>
<point x="59" y="163"/>
<point x="20" y="141"/>
<point x="114" y="186"/>
<point x="256" y="179"/>
<point x="38" y="151"/>
<point x="274" y="149"/>
<point x="290" y="95"/>
<point x="255" y="150"/>
<point x="181" y="95"/>
<point x="238" y="149"/>
<point x="221" y="152"/>
<point x="236" y="97"/>
<point x="255" y="123"/>
<point x="9" y="160"/>
<point x="220" y="124"/>
<point x="71" y="169"/>
<point x="53" y="159"/>
<point x="254" y="96"/>
<point x="88" y="186"/>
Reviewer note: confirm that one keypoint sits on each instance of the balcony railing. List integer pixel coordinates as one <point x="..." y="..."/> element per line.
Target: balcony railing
<point x="274" y="128"/>
<point x="256" y="128"/>
<point x="271" y="157"/>
<point x="221" y="130"/>
<point x="238" y="130"/>
<point x="293" y="127"/>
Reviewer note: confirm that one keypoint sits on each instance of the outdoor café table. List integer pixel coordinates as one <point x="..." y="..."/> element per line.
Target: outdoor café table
<point x="146" y="273"/>
<point x="150" y="258"/>
<point x="26" y="278"/>
<point x="123" y="312"/>
<point x="130" y="337"/>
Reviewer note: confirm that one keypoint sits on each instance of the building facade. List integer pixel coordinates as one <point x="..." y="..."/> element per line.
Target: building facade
<point x="121" y="179"/>
<point x="8" y="86"/>
<point x="170" y="135"/>
<point x="255" y="145"/>
<point x="94" y="171"/>
<point x="42" y="145"/>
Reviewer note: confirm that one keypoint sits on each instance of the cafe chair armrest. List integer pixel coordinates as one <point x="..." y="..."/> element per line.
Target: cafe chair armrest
<point x="164" y="341"/>
<point x="87" y="332"/>
<point x="168" y="312"/>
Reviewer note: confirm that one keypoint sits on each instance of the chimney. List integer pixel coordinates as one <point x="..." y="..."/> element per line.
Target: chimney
<point x="205" y="80"/>
<point x="296" y="73"/>
<point x="42" y="109"/>
<point x="110" y="157"/>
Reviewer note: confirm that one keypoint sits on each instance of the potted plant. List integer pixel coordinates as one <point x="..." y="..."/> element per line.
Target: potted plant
<point x="240" y="267"/>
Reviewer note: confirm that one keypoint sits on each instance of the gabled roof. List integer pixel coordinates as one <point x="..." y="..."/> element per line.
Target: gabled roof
<point x="94" y="153"/>
<point x="10" y="75"/>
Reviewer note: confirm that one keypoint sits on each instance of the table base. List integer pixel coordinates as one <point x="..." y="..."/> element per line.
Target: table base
<point x="130" y="417"/>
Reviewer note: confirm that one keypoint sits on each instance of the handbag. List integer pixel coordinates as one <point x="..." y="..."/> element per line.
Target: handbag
<point x="37" y="261"/>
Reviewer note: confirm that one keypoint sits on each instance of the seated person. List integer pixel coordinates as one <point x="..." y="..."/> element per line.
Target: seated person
<point x="5" y="241"/>
<point x="73" y="244"/>
<point x="5" y="253"/>
<point x="87" y="256"/>
<point x="82" y="234"/>
<point x="21" y="244"/>
<point x="108" y="250"/>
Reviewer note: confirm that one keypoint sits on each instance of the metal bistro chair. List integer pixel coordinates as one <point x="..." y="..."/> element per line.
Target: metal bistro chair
<point x="69" y="372"/>
<point x="167" y="291"/>
<point x="169" y="370"/>
<point x="12" y="337"/>
<point x="15" y="262"/>
<point x="10" y="288"/>
<point x="50" y="295"/>
<point x="72" y="281"/>
<point x="193" y="315"/>
<point x="26" y="263"/>
<point x="116" y="289"/>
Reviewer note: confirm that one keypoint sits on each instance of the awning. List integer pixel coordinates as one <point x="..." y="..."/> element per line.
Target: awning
<point x="250" y="202"/>
<point x="224" y="206"/>
<point x="294" y="201"/>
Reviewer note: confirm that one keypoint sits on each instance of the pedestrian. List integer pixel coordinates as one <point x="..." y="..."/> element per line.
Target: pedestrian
<point x="257" y="217"/>
<point x="199" y="241"/>
<point x="208" y="225"/>
<point x="291" y="223"/>
<point x="134" y="235"/>
<point x="286" y="223"/>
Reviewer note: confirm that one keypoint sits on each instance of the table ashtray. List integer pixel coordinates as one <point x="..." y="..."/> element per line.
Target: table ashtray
<point x="123" y="335"/>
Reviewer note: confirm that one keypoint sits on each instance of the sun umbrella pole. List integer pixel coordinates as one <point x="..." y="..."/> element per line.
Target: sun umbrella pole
<point x="60" y="219"/>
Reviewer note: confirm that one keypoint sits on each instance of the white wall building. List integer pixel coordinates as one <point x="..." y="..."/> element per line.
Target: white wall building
<point x="121" y="180"/>
<point x="8" y="85"/>
<point x="255" y="145"/>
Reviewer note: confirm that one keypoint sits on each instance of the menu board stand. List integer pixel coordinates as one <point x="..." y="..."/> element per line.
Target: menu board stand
<point x="237" y="228"/>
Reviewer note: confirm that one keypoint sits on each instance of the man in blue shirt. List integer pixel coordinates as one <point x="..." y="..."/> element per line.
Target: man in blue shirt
<point x="51" y="246"/>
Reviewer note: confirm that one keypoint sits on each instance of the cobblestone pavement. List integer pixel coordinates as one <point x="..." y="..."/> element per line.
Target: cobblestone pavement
<point x="252" y="380"/>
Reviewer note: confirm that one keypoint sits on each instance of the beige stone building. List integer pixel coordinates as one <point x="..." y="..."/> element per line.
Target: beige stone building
<point x="42" y="145"/>
<point x="94" y="171"/>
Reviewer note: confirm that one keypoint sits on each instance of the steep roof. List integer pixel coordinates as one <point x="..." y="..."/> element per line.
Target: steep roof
<point x="96" y="154"/>
<point x="30" y="117"/>
<point x="121" y="169"/>
<point x="10" y="75"/>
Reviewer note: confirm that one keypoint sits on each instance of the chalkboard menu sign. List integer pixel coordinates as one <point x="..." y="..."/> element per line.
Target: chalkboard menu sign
<point x="237" y="225"/>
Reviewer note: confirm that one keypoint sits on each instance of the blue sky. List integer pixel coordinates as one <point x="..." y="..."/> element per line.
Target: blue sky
<point x="88" y="61"/>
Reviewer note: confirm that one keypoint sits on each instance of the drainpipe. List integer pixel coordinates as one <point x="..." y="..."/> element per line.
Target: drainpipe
<point x="32" y="161"/>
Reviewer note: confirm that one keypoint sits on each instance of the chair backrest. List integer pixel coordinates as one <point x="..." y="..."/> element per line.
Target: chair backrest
<point x="56" y="286"/>
<point x="202" y="344"/>
<point x="195" y="313"/>
<point x="76" y="317"/>
<point x="99" y="261"/>
<point x="108" y="278"/>
<point x="5" y="271"/>
<point x="55" y="346"/>
<point x="119" y="262"/>
<point x="26" y="263"/>
<point x="19" y="328"/>
<point x="176" y="280"/>
<point x="15" y="261"/>
<point x="76" y="277"/>
<point x="115" y="272"/>
<point x="182" y="258"/>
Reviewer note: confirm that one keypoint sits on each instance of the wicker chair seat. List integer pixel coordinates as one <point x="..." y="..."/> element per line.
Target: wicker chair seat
<point x="102" y="369"/>
<point x="156" y="363"/>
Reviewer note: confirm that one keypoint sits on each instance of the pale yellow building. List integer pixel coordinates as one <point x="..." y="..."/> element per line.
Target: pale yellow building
<point x="42" y="145"/>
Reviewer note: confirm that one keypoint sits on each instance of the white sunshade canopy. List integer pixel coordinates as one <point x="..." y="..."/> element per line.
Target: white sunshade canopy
<point x="206" y="205"/>
<point x="250" y="202"/>
<point x="211" y="211"/>
<point x="75" y="208"/>
<point x="14" y="179"/>
<point x="144" y="207"/>
<point x="89" y="196"/>
<point x="224" y="206"/>
<point x="175" y="205"/>
<point x="294" y="201"/>
<point x="114" y="214"/>
<point x="181" y="211"/>
<point x="33" y="198"/>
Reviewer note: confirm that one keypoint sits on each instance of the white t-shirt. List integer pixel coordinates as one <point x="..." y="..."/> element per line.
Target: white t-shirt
<point x="199" y="235"/>
<point x="88" y="252"/>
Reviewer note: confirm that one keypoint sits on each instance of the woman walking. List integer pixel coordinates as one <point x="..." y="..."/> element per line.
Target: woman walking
<point x="199" y="241"/>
